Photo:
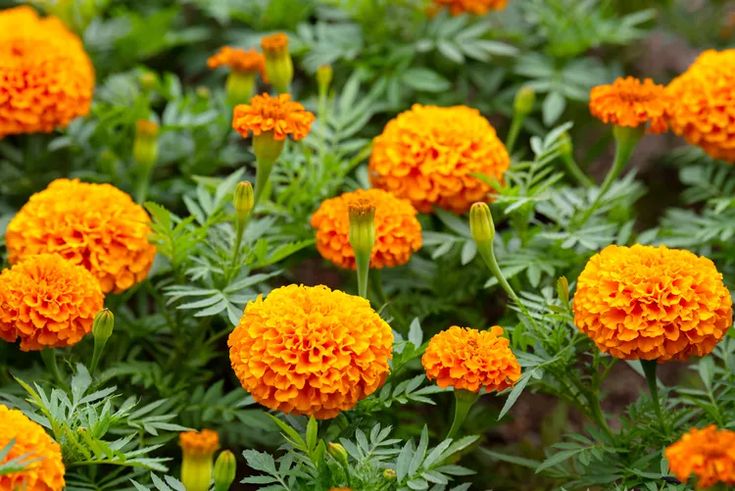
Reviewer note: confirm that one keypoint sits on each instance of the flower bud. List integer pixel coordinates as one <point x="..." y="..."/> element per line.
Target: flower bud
<point x="145" y="146"/>
<point x="339" y="453"/>
<point x="243" y="199"/>
<point x="104" y="323"/>
<point x="324" y="78"/>
<point x="197" y="451"/>
<point x="224" y="471"/>
<point x="362" y="226"/>
<point x="148" y="80"/>
<point x="566" y="147"/>
<point x="389" y="474"/>
<point x="481" y="223"/>
<point x="524" y="100"/>
<point x="203" y="92"/>
<point x="278" y="63"/>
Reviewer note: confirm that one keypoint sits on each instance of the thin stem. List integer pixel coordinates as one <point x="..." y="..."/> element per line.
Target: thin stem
<point x="262" y="174"/>
<point x="141" y="192"/>
<point x="577" y="173"/>
<point x="362" y="261"/>
<point x="649" y="369"/>
<point x="515" y="129"/>
<point x="48" y="356"/>
<point x="463" y="401"/>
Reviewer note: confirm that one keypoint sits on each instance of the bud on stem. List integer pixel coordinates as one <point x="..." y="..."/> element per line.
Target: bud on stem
<point x="267" y="150"/>
<point x="522" y="107"/>
<point x="362" y="239"/>
<point x="145" y="154"/>
<point x="225" y="468"/>
<point x="244" y="202"/>
<point x="102" y="327"/>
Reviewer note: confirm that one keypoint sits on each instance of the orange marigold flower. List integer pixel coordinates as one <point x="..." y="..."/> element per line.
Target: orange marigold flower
<point x="310" y="350"/>
<point x="199" y="443"/>
<point x="708" y="454"/>
<point x="703" y="104"/>
<point x="47" y="302"/>
<point x="397" y="231"/>
<point x="652" y="303"/>
<point x="46" y="78"/>
<point x="46" y="472"/>
<point x="238" y="59"/>
<point x="429" y="155"/>
<point x="469" y="359"/>
<point x="279" y="115"/>
<point x="477" y="7"/>
<point x="274" y="43"/>
<point x="93" y="225"/>
<point x="631" y="103"/>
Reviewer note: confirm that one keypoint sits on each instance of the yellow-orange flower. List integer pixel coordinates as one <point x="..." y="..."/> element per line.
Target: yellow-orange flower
<point x="199" y="443"/>
<point x="471" y="360"/>
<point x="93" y="225"/>
<point x="47" y="302"/>
<point x="397" y="231"/>
<point x="707" y="454"/>
<point x="238" y="59"/>
<point x="274" y="43"/>
<point x="46" y="472"/>
<point x="310" y="350"/>
<point x="652" y="303"/>
<point x="477" y="7"/>
<point x="279" y="115"/>
<point x="703" y="104"/>
<point x="46" y="78"/>
<point x="631" y="103"/>
<point x="431" y="155"/>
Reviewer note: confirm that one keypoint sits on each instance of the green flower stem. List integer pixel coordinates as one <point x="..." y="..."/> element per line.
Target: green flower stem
<point x="463" y="401"/>
<point x="262" y="174"/>
<point x="515" y="129"/>
<point x="574" y="171"/>
<point x="649" y="369"/>
<point x="141" y="189"/>
<point x="267" y="150"/>
<point x="362" y="261"/>
<point x="48" y="356"/>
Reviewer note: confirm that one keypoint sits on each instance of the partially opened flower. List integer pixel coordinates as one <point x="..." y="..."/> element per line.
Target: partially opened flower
<point x="432" y="156"/>
<point x="652" y="303"/>
<point x="471" y="360"/>
<point x="703" y="104"/>
<point x="244" y="65"/>
<point x="47" y="302"/>
<point x="45" y="472"/>
<point x="310" y="350"/>
<point x="397" y="231"/>
<point x="46" y="78"/>
<point x="93" y="225"/>
<point x="708" y="455"/>
<point x="198" y="449"/>
<point x="278" y="116"/>
<point x="278" y="63"/>
<point x="477" y="7"/>
<point x="631" y="103"/>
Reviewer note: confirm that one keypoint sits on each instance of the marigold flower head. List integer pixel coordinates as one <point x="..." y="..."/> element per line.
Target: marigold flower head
<point x="199" y="443"/>
<point x="274" y="43"/>
<point x="277" y="114"/>
<point x="630" y="103"/>
<point x="94" y="225"/>
<point x="708" y="454"/>
<point x="46" y="78"/>
<point x="310" y="350"/>
<point x="477" y="7"/>
<point x="429" y="155"/>
<point x="397" y="231"/>
<point x="469" y="359"/>
<point x="238" y="59"/>
<point x="46" y="472"/>
<point x="652" y="303"/>
<point x="47" y="302"/>
<point x="703" y="104"/>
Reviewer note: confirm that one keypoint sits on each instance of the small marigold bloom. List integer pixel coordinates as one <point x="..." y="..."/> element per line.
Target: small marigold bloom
<point x="708" y="454"/>
<point x="469" y="359"/>
<point x="46" y="78"/>
<point x="278" y="62"/>
<point x="340" y="489"/>
<point x="703" y="104"/>
<point x="204" y="442"/>
<point x="93" y="225"/>
<point x="652" y="303"/>
<point x="477" y="7"/>
<point x="310" y="350"/>
<point x="429" y="156"/>
<point x="46" y="472"/>
<point x="238" y="59"/>
<point x="274" y="43"/>
<point x="397" y="231"/>
<point x="277" y="114"/>
<point x="630" y="103"/>
<point x="47" y="302"/>
<point x="198" y="448"/>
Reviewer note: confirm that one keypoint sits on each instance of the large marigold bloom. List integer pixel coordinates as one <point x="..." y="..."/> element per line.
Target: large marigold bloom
<point x="652" y="303"/>
<point x="47" y="302"/>
<point x="703" y="104"/>
<point x="477" y="7"/>
<point x="46" y="78"/>
<point x="310" y="350"/>
<point x="277" y="114"/>
<point x="631" y="103"/>
<point x="471" y="360"/>
<point x="708" y="454"/>
<point x="430" y="155"/>
<point x="94" y="225"/>
<point x="46" y="472"/>
<point x="397" y="231"/>
<point x="238" y="59"/>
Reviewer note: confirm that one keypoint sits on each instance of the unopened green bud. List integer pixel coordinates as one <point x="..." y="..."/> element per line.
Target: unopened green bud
<point x="145" y="146"/>
<point x="339" y="453"/>
<point x="324" y="78"/>
<point x="148" y="80"/>
<point x="389" y="474"/>
<point x="524" y="101"/>
<point x="225" y="468"/>
<point x="203" y="92"/>
<point x="243" y="200"/>
<point x="104" y="323"/>
<point x="481" y="223"/>
<point x="278" y="63"/>
<point x="566" y="147"/>
<point x="362" y="226"/>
